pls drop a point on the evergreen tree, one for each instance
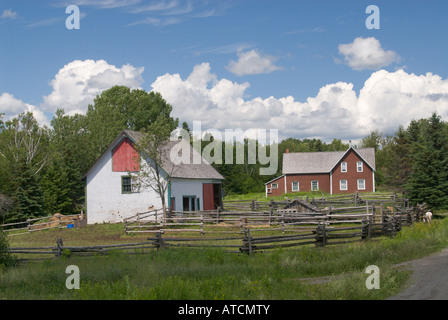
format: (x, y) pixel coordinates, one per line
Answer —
(57, 191)
(428, 181)
(28, 199)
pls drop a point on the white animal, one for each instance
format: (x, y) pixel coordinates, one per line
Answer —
(427, 217)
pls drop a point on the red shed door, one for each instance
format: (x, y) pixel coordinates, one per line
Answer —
(211, 193)
(207, 194)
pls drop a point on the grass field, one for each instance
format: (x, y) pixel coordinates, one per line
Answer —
(211, 274)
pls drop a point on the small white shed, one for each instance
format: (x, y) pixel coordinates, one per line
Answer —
(111, 196)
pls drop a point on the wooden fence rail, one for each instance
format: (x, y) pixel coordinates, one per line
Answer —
(44, 223)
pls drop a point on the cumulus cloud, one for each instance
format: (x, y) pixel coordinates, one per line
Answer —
(252, 62)
(79, 82)
(387, 100)
(367, 53)
(12, 107)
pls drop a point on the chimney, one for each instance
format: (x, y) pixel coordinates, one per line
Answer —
(287, 150)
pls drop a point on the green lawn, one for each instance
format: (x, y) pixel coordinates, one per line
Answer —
(208, 274)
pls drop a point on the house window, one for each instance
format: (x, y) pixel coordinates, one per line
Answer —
(343, 185)
(269, 190)
(343, 166)
(295, 186)
(274, 186)
(359, 166)
(361, 184)
(314, 185)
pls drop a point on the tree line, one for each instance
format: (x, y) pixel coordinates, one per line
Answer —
(41, 168)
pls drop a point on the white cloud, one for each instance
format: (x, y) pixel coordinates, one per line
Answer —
(391, 98)
(8, 14)
(252, 62)
(387, 100)
(79, 82)
(12, 107)
(367, 53)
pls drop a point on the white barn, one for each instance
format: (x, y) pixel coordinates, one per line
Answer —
(111, 196)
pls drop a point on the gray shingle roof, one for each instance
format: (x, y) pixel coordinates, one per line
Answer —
(190, 170)
(321, 162)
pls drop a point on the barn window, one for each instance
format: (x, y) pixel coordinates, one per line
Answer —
(359, 166)
(343, 185)
(314, 185)
(295, 186)
(128, 185)
(343, 166)
(361, 184)
(274, 186)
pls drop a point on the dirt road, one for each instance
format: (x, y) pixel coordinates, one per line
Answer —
(429, 280)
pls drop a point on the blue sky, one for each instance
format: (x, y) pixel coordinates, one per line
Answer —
(306, 68)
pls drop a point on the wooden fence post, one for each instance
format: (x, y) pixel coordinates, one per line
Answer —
(321, 237)
(247, 241)
(159, 241)
(59, 246)
(202, 225)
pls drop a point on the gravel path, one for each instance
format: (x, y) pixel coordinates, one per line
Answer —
(429, 280)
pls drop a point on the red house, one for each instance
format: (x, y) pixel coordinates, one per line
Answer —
(331, 172)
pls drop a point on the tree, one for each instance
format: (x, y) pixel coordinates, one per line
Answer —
(27, 196)
(154, 173)
(5, 206)
(24, 141)
(428, 181)
(24, 151)
(6, 259)
(120, 108)
(56, 189)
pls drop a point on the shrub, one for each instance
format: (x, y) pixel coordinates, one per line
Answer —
(6, 259)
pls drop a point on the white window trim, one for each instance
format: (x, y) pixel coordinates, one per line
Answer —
(292, 186)
(344, 166)
(272, 185)
(340, 185)
(364, 184)
(317, 185)
(360, 166)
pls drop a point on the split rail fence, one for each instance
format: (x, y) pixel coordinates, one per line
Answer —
(56, 221)
(245, 232)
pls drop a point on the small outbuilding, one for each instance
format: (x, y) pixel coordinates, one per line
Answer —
(112, 195)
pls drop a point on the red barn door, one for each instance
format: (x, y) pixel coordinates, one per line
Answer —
(207, 194)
